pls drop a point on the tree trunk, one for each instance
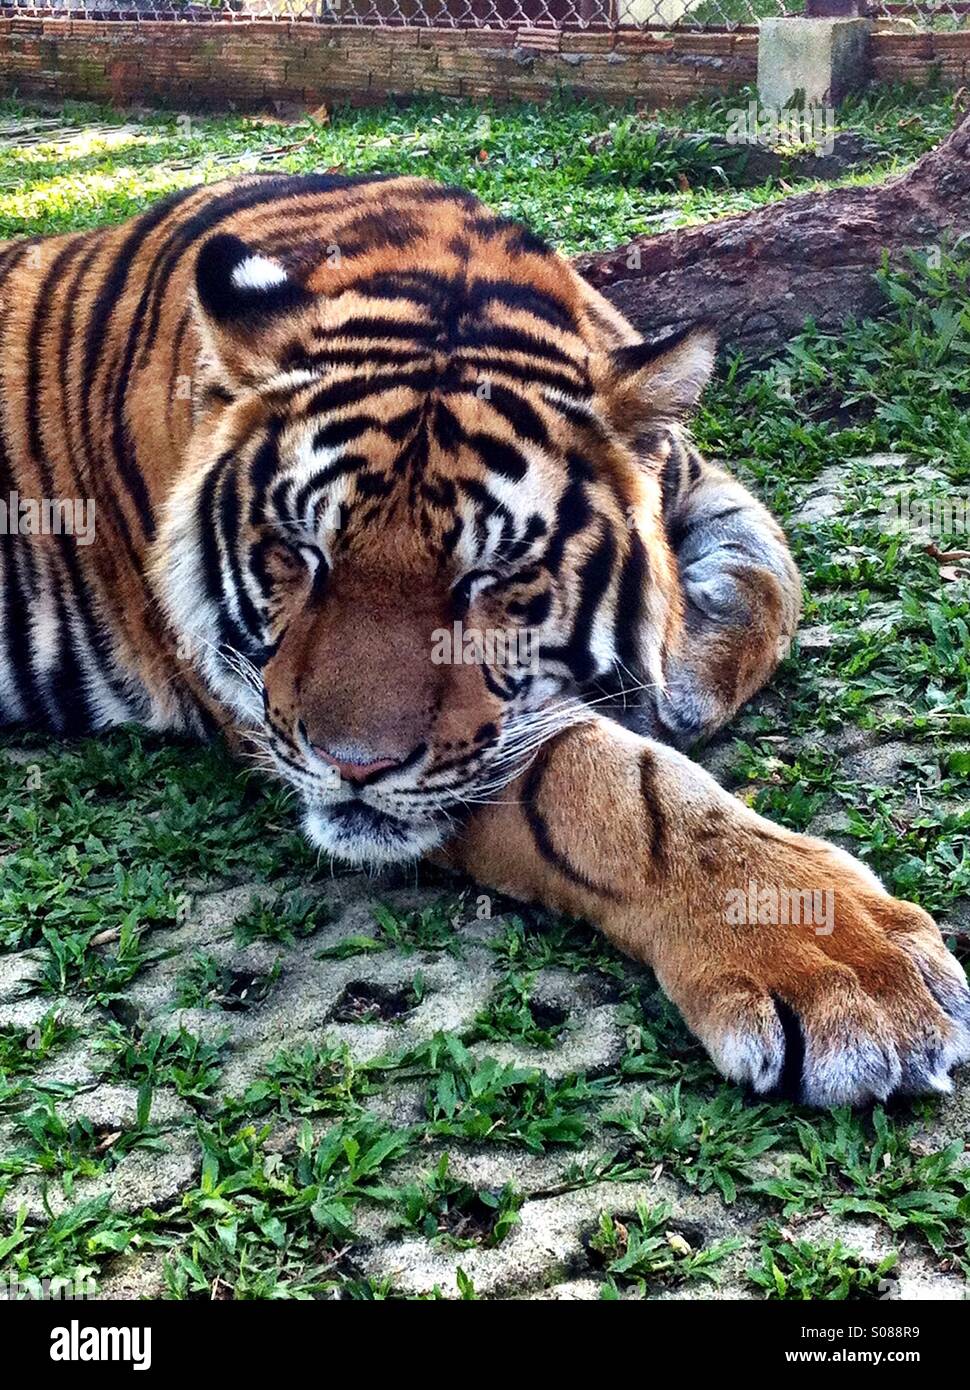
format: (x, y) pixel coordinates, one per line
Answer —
(757, 276)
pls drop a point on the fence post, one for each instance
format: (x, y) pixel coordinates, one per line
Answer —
(818, 58)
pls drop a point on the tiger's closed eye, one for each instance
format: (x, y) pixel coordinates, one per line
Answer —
(467, 589)
(287, 565)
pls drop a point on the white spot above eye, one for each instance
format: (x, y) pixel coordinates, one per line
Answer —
(257, 273)
(311, 558)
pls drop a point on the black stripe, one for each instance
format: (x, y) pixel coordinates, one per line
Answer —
(504, 338)
(262, 471)
(499, 457)
(65, 343)
(487, 504)
(230, 633)
(353, 389)
(631, 595)
(593, 580)
(356, 357)
(790, 1082)
(97, 638)
(528, 372)
(670, 477)
(512, 294)
(12, 255)
(448, 429)
(379, 327)
(539, 829)
(502, 692)
(535, 527)
(348, 463)
(211, 392)
(573, 514)
(514, 408)
(337, 432)
(113, 283)
(426, 288)
(374, 231)
(16, 630)
(657, 822)
(37, 354)
(229, 512)
(534, 611)
(66, 687)
(374, 485)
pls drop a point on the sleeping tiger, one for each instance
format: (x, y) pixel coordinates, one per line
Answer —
(316, 423)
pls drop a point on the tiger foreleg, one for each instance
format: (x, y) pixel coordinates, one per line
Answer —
(787, 958)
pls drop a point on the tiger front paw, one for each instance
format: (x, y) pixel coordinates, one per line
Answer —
(858, 1002)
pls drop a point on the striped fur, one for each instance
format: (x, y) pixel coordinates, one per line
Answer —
(321, 419)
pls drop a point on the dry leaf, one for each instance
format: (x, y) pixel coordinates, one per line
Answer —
(678, 1244)
(947, 556)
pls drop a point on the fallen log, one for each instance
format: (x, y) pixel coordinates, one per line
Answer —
(757, 276)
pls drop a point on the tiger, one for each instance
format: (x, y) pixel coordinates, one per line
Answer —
(321, 425)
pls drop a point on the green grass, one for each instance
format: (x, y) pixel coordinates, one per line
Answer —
(454, 1213)
(647, 1251)
(483, 1100)
(179, 1059)
(584, 175)
(104, 841)
(427, 929)
(797, 1270)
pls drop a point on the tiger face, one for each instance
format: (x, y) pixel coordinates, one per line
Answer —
(419, 516)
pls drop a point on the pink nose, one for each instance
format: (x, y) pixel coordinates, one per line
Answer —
(352, 770)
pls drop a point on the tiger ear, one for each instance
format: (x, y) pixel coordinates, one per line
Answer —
(656, 381)
(241, 296)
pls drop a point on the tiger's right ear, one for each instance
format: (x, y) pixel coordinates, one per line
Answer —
(242, 299)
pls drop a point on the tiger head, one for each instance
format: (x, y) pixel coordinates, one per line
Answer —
(418, 519)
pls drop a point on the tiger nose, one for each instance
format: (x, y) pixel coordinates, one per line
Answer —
(357, 768)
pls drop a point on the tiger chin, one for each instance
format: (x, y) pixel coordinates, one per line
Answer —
(388, 495)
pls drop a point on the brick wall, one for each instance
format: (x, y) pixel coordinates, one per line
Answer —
(251, 65)
(921, 58)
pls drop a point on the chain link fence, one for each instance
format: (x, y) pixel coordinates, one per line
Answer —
(594, 16)
(552, 15)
